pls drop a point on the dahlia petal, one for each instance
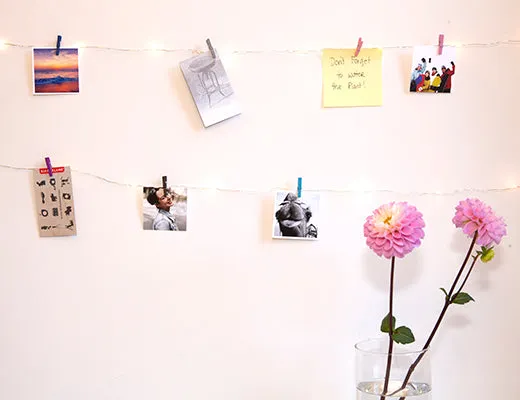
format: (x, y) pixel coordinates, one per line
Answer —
(394, 229)
(472, 215)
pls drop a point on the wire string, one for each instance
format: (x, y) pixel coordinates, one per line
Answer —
(508, 42)
(307, 189)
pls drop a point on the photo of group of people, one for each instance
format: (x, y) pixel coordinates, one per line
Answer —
(432, 73)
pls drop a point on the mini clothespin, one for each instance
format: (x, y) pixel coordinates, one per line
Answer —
(358, 48)
(299, 189)
(441, 43)
(164, 184)
(58, 44)
(210, 47)
(49, 166)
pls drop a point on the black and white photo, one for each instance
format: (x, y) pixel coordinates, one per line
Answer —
(296, 217)
(210, 88)
(165, 210)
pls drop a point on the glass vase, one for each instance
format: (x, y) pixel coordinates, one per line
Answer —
(371, 365)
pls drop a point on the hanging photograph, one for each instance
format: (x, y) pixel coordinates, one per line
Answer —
(54, 202)
(210, 88)
(164, 210)
(431, 72)
(296, 218)
(55, 74)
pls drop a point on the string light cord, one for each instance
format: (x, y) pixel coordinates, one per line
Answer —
(274, 189)
(508, 42)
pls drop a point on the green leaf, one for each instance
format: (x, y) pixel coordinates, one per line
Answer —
(385, 324)
(461, 298)
(403, 335)
(445, 292)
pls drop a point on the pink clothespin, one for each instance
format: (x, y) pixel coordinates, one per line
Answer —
(49, 166)
(441, 43)
(358, 48)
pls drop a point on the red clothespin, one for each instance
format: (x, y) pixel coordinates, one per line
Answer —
(441, 43)
(358, 48)
(49, 166)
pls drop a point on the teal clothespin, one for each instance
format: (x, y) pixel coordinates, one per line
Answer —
(299, 187)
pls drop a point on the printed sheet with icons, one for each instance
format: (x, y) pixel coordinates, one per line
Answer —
(54, 202)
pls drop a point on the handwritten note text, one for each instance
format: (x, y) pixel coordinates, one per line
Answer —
(350, 81)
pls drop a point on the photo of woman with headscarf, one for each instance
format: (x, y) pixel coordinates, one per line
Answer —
(294, 217)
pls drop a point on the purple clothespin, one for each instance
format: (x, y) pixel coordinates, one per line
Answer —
(49, 166)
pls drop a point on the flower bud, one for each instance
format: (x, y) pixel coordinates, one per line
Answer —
(487, 254)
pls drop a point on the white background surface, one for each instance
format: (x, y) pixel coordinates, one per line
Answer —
(223, 311)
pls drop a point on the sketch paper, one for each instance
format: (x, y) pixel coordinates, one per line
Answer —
(210, 88)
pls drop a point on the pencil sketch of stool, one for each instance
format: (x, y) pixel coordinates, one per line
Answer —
(203, 67)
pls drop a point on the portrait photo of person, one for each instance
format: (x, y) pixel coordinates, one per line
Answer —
(296, 217)
(164, 209)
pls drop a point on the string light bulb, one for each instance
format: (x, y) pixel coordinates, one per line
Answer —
(156, 47)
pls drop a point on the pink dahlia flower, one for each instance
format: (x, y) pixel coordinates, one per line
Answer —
(394, 229)
(472, 215)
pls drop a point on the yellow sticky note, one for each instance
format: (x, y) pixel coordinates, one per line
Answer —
(350, 81)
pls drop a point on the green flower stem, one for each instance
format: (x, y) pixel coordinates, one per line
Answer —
(475, 258)
(447, 303)
(390, 331)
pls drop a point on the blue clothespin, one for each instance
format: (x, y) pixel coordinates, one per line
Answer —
(49, 166)
(164, 184)
(58, 44)
(299, 187)
(211, 49)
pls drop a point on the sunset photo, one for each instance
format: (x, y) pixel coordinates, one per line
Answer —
(55, 74)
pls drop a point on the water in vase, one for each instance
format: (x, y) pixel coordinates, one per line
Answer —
(413, 391)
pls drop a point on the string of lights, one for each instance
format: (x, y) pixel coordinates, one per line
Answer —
(159, 48)
(274, 189)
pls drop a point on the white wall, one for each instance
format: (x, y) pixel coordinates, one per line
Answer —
(223, 311)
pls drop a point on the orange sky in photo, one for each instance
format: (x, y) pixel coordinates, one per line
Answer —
(47, 60)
